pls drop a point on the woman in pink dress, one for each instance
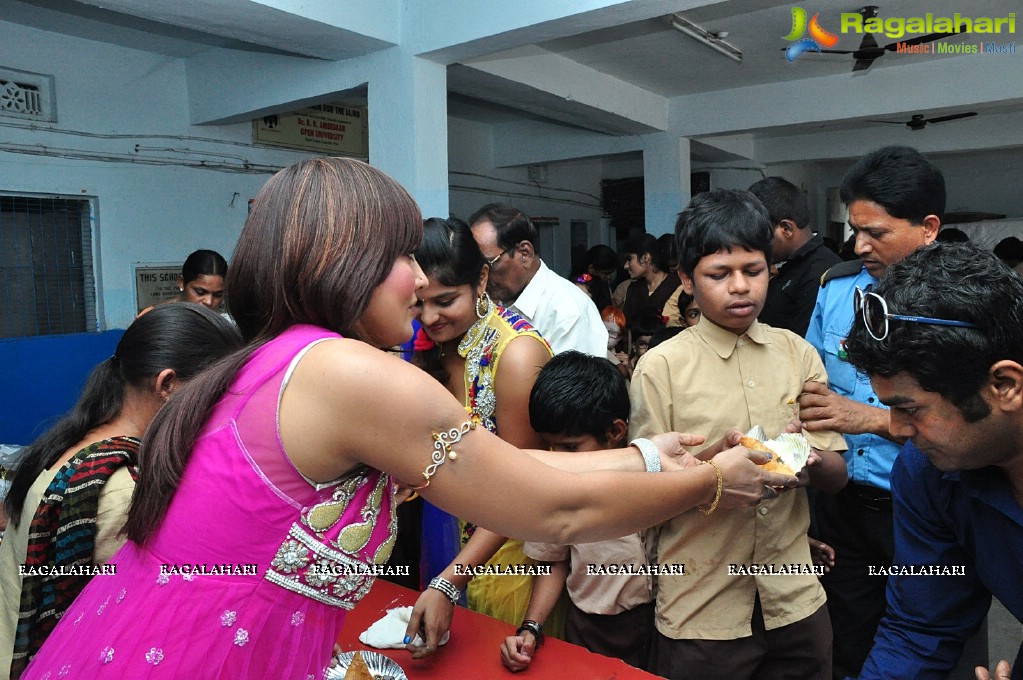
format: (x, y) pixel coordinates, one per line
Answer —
(266, 489)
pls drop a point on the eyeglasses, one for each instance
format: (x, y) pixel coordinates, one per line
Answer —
(492, 261)
(875, 315)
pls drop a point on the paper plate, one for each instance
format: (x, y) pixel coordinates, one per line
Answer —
(379, 665)
(792, 448)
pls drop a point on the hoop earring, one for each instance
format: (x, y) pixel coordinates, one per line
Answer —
(488, 305)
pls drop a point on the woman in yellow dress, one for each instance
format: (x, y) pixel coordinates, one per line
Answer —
(488, 357)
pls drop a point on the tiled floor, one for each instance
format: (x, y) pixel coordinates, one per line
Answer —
(1004, 634)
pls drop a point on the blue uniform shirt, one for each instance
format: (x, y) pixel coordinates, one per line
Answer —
(869, 457)
(968, 520)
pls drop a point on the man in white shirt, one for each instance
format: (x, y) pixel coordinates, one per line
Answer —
(519, 279)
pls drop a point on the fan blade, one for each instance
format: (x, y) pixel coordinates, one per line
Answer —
(887, 122)
(868, 42)
(954, 116)
(863, 64)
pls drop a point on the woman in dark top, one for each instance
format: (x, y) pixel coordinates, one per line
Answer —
(647, 264)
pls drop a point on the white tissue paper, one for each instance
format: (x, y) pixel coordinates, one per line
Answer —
(792, 448)
(389, 631)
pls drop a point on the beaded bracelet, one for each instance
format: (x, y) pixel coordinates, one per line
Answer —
(651, 456)
(717, 493)
(534, 627)
(447, 587)
(442, 451)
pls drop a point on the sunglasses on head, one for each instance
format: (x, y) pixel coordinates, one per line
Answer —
(875, 314)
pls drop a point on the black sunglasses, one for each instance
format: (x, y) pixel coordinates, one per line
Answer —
(875, 315)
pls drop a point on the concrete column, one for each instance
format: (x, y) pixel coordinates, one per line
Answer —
(666, 168)
(408, 128)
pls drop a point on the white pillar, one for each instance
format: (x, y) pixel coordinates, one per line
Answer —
(408, 129)
(666, 169)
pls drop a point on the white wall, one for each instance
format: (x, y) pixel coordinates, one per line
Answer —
(146, 213)
(571, 192)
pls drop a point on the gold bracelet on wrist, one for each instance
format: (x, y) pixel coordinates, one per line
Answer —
(717, 493)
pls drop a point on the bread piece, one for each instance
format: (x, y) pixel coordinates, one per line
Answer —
(775, 464)
(357, 669)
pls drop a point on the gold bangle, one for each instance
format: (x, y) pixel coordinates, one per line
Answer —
(717, 493)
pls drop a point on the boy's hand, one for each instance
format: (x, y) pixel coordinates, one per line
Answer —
(517, 651)
(812, 461)
(821, 553)
(431, 618)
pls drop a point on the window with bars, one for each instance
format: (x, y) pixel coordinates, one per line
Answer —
(46, 270)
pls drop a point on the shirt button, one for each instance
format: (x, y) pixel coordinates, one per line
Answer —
(870, 399)
(763, 509)
(750, 383)
(740, 343)
(859, 452)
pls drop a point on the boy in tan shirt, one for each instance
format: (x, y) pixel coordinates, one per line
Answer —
(749, 604)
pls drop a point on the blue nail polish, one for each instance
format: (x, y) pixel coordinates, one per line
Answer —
(407, 640)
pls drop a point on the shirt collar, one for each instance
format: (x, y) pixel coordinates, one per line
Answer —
(815, 242)
(989, 485)
(529, 299)
(723, 341)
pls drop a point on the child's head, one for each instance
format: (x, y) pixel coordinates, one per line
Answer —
(689, 311)
(724, 244)
(614, 322)
(644, 325)
(579, 403)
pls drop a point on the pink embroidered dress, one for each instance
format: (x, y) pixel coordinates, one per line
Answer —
(288, 557)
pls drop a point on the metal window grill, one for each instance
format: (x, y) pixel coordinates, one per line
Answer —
(46, 269)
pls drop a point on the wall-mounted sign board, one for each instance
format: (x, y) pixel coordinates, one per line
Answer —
(155, 283)
(330, 129)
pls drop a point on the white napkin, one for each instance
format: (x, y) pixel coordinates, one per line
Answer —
(389, 631)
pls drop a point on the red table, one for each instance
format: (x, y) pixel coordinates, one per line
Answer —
(474, 649)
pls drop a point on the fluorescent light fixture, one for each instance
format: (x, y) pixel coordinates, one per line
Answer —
(700, 34)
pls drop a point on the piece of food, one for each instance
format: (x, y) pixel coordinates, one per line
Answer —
(773, 465)
(790, 451)
(357, 669)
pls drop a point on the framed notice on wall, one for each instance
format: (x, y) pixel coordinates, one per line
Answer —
(154, 284)
(330, 129)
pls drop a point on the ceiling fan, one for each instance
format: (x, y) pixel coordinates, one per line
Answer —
(869, 51)
(918, 122)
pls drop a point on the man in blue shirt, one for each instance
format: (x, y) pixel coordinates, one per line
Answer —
(896, 200)
(942, 340)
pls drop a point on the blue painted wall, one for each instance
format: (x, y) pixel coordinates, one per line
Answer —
(41, 378)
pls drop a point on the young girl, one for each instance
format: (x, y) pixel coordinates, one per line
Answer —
(488, 357)
(70, 492)
(273, 473)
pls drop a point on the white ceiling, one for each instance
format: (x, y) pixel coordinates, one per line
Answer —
(644, 54)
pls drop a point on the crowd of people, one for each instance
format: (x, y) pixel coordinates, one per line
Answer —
(289, 443)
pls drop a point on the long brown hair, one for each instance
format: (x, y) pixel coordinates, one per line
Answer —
(185, 337)
(321, 236)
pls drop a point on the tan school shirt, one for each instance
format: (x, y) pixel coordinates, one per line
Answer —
(704, 381)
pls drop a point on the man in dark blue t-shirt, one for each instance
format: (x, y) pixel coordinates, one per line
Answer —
(941, 338)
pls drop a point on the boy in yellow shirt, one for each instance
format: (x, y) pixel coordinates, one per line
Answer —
(749, 604)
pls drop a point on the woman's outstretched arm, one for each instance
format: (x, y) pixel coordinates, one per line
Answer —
(349, 404)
